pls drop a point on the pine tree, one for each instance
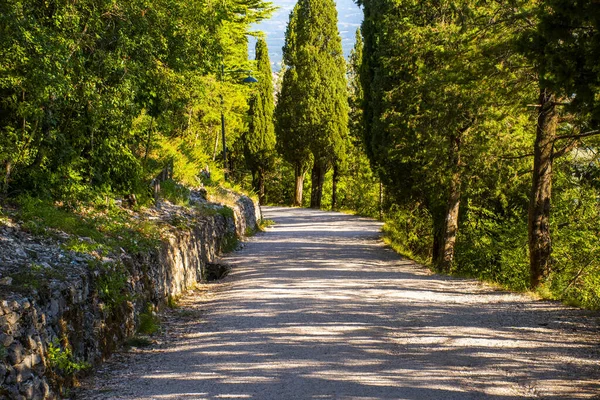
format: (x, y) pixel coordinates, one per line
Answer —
(259, 142)
(314, 93)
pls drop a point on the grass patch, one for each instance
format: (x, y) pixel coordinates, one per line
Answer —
(265, 223)
(230, 243)
(36, 277)
(105, 228)
(175, 193)
(111, 287)
(401, 249)
(149, 322)
(172, 302)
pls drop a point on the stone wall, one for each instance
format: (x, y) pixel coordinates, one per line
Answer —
(89, 315)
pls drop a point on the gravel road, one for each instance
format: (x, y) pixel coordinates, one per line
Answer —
(318, 308)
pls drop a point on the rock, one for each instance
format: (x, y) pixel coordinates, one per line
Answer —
(6, 281)
(6, 340)
(25, 304)
(13, 393)
(11, 376)
(32, 343)
(32, 253)
(71, 302)
(23, 372)
(2, 372)
(9, 319)
(35, 359)
(37, 392)
(16, 353)
(44, 389)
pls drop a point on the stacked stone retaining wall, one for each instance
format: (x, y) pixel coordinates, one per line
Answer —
(86, 317)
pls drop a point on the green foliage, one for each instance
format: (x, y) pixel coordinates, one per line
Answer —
(89, 91)
(576, 222)
(62, 362)
(149, 323)
(259, 141)
(312, 108)
(172, 302)
(265, 223)
(112, 285)
(408, 231)
(39, 215)
(230, 243)
(175, 192)
(3, 352)
(564, 49)
(292, 143)
(105, 228)
(447, 115)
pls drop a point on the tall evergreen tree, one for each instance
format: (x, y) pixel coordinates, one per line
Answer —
(259, 141)
(564, 49)
(316, 87)
(291, 142)
(436, 101)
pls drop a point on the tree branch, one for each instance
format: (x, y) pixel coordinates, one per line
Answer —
(578, 135)
(566, 149)
(518, 157)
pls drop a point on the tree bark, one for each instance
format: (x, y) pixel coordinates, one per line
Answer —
(336, 179)
(8, 170)
(380, 200)
(450, 227)
(261, 186)
(540, 244)
(438, 239)
(299, 186)
(317, 179)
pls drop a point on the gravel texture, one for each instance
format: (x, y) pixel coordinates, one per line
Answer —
(318, 308)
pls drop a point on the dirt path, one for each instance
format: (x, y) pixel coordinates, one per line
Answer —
(317, 308)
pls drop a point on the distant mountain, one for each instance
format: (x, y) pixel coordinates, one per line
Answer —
(350, 17)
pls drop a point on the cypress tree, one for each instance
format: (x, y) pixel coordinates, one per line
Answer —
(291, 143)
(259, 143)
(314, 91)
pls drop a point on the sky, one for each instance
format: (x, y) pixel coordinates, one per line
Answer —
(349, 18)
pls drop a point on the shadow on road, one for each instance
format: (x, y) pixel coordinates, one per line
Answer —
(316, 308)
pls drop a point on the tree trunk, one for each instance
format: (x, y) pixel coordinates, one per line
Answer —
(336, 179)
(8, 167)
(450, 227)
(540, 244)
(299, 186)
(149, 140)
(261, 186)
(317, 179)
(216, 146)
(380, 200)
(438, 239)
(255, 184)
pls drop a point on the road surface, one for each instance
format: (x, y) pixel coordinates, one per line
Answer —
(318, 308)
